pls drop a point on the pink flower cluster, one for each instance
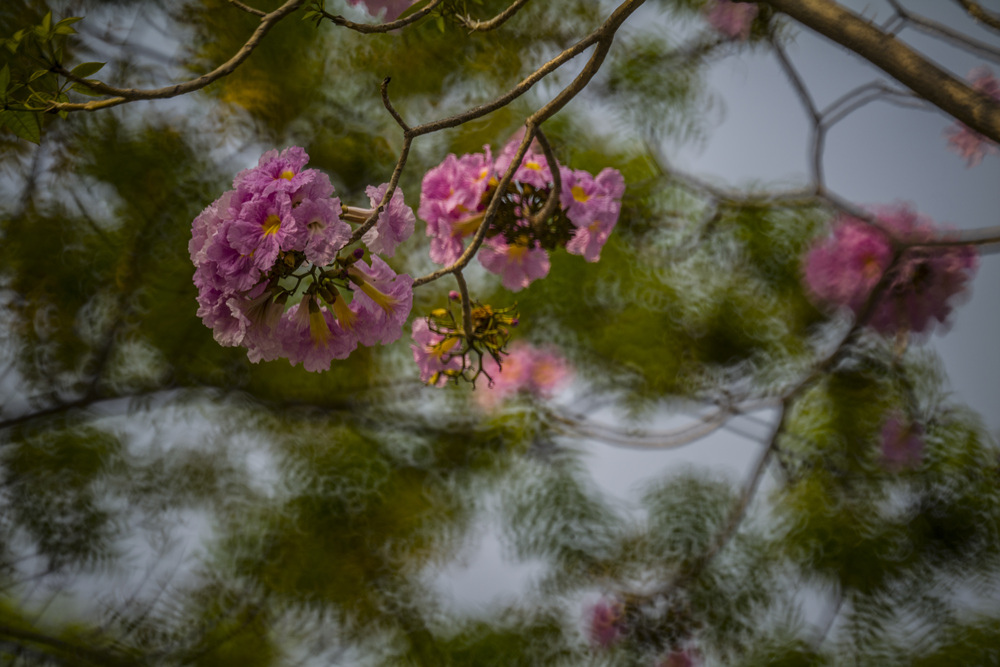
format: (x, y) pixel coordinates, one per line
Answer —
(732, 19)
(844, 269)
(962, 139)
(273, 241)
(454, 196)
(537, 371)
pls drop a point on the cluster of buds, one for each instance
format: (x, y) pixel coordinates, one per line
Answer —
(445, 351)
(455, 194)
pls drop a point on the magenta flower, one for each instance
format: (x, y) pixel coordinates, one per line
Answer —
(313, 337)
(451, 201)
(533, 170)
(515, 263)
(434, 353)
(902, 444)
(732, 19)
(606, 623)
(540, 372)
(320, 232)
(394, 225)
(843, 270)
(382, 301)
(264, 227)
(276, 173)
(593, 206)
(969, 144)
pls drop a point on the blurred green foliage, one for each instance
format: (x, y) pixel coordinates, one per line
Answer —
(164, 501)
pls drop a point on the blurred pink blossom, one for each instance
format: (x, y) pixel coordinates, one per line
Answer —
(962, 139)
(844, 269)
(902, 443)
(537, 371)
(606, 623)
(732, 19)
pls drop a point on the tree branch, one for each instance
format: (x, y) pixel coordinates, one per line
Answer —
(951, 95)
(124, 95)
(496, 21)
(984, 15)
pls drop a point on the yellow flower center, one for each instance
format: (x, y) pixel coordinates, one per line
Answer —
(534, 166)
(287, 174)
(271, 225)
(579, 194)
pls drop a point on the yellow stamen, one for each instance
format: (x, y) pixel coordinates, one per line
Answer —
(319, 330)
(345, 315)
(534, 166)
(444, 347)
(468, 226)
(271, 225)
(384, 301)
(287, 174)
(579, 194)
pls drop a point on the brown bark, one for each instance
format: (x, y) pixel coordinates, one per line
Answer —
(928, 80)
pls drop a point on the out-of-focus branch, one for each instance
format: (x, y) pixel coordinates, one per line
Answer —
(369, 28)
(125, 95)
(945, 33)
(247, 9)
(495, 22)
(977, 12)
(953, 96)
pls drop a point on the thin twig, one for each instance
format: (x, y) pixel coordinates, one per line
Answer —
(369, 28)
(977, 12)
(553, 199)
(125, 95)
(935, 29)
(495, 22)
(819, 131)
(248, 10)
(463, 289)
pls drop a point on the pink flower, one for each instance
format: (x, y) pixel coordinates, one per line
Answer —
(264, 227)
(516, 263)
(451, 201)
(732, 19)
(606, 623)
(844, 269)
(394, 225)
(962, 139)
(593, 206)
(433, 353)
(321, 232)
(382, 301)
(902, 443)
(537, 371)
(311, 335)
(393, 8)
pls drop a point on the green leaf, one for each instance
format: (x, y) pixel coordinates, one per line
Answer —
(46, 25)
(84, 70)
(24, 124)
(36, 74)
(414, 8)
(83, 90)
(4, 81)
(64, 27)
